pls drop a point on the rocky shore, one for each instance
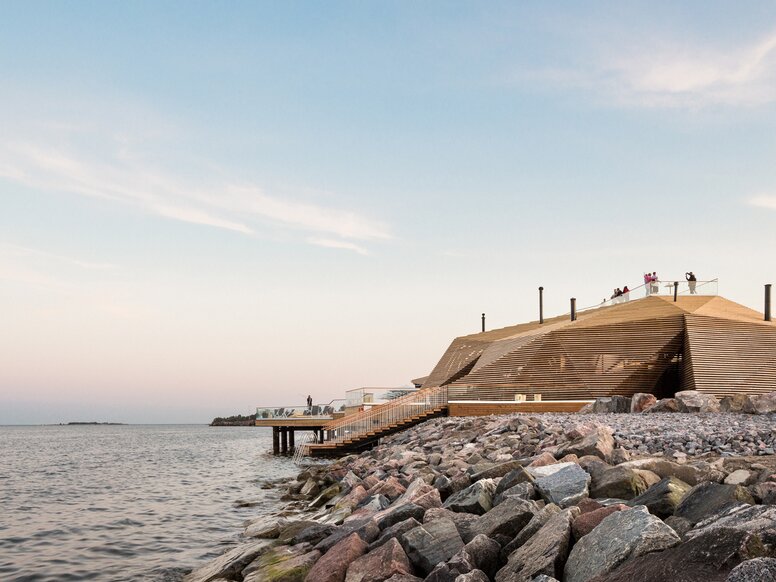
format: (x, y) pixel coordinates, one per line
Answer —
(603, 497)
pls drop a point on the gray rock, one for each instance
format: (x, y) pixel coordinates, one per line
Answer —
(621, 536)
(513, 478)
(641, 401)
(708, 499)
(735, 403)
(692, 474)
(695, 401)
(230, 563)
(755, 570)
(399, 513)
(484, 553)
(394, 532)
(761, 404)
(679, 524)
(756, 519)
(708, 558)
(537, 522)
(599, 443)
(563, 484)
(433, 542)
(508, 519)
(522, 490)
(366, 529)
(496, 471)
(473, 576)
(325, 496)
(613, 404)
(477, 498)
(284, 563)
(663, 498)
(400, 578)
(289, 530)
(464, 522)
(623, 482)
(545, 553)
(664, 405)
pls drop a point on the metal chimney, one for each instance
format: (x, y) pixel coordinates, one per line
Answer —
(768, 302)
(541, 304)
(483, 322)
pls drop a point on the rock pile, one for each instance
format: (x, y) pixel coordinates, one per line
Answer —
(685, 401)
(518, 498)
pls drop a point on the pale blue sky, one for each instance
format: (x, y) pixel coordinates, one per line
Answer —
(209, 206)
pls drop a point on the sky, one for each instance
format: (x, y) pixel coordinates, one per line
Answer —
(207, 207)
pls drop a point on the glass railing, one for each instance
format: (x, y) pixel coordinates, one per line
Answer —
(373, 396)
(325, 411)
(664, 287)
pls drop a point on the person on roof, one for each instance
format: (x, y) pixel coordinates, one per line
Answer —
(691, 282)
(625, 292)
(653, 283)
(647, 282)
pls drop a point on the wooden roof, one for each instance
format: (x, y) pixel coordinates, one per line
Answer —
(625, 348)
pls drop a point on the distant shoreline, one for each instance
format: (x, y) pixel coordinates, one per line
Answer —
(80, 423)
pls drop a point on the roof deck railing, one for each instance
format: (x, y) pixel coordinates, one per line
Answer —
(664, 287)
(322, 411)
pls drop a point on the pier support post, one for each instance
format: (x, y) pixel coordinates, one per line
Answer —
(541, 304)
(320, 435)
(275, 440)
(768, 302)
(283, 440)
(291, 439)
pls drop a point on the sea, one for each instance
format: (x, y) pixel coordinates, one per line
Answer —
(128, 502)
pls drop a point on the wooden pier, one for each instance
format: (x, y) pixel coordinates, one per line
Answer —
(284, 429)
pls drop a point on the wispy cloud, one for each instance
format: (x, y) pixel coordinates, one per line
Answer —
(17, 250)
(677, 74)
(764, 201)
(122, 176)
(337, 244)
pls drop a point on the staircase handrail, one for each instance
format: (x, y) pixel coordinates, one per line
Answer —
(403, 408)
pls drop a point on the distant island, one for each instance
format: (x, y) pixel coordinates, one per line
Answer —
(236, 420)
(98, 423)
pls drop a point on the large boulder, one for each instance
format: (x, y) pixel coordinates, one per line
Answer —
(663, 497)
(291, 529)
(612, 404)
(587, 522)
(708, 558)
(761, 404)
(477, 498)
(641, 401)
(758, 519)
(563, 484)
(621, 536)
(464, 522)
(521, 490)
(537, 522)
(695, 401)
(391, 488)
(473, 576)
(755, 570)
(394, 532)
(498, 470)
(508, 519)
(326, 496)
(545, 553)
(599, 443)
(514, 477)
(230, 563)
(708, 499)
(431, 543)
(691, 473)
(283, 564)
(366, 529)
(333, 566)
(484, 554)
(380, 565)
(399, 513)
(735, 403)
(664, 405)
(623, 482)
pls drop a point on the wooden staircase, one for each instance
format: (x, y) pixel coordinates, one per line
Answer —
(363, 430)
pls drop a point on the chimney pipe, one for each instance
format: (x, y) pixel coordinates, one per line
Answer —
(541, 304)
(483, 322)
(768, 302)
(573, 309)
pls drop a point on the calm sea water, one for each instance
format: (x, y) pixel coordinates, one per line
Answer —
(127, 502)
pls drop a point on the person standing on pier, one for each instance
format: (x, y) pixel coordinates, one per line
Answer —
(310, 403)
(691, 281)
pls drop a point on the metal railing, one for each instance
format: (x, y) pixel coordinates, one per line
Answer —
(372, 396)
(301, 449)
(664, 287)
(365, 423)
